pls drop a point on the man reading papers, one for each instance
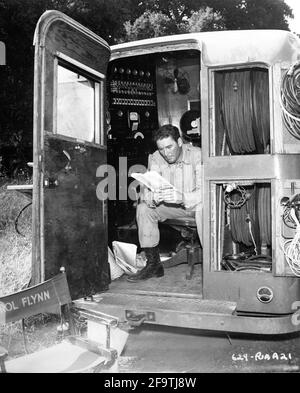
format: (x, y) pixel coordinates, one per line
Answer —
(175, 193)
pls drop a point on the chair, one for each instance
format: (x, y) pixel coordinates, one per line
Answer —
(74, 354)
(188, 250)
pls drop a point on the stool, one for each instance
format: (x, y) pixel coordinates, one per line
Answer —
(188, 250)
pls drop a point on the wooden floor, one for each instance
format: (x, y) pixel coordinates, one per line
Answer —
(173, 282)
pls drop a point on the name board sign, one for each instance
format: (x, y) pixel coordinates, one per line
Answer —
(45, 297)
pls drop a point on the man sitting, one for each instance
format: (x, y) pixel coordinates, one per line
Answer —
(180, 164)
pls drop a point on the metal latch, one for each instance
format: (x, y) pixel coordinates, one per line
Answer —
(50, 182)
(137, 319)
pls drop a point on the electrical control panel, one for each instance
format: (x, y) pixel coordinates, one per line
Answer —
(132, 100)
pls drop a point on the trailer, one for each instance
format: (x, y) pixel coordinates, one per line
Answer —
(233, 93)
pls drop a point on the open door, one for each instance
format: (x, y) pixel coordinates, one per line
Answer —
(69, 221)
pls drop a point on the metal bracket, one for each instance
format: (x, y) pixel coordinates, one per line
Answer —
(137, 319)
(98, 317)
(109, 354)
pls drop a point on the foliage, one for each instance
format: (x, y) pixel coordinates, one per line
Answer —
(115, 21)
(157, 24)
(237, 14)
(18, 19)
(180, 16)
(252, 14)
(204, 20)
(177, 10)
(150, 24)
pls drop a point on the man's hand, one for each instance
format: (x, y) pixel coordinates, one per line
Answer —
(157, 197)
(170, 195)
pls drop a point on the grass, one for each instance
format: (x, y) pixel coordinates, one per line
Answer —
(15, 273)
(15, 248)
(15, 254)
(41, 331)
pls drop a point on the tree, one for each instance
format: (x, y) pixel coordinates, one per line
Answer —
(157, 24)
(162, 17)
(177, 10)
(150, 24)
(204, 20)
(105, 17)
(252, 14)
(18, 19)
(237, 14)
(144, 18)
(17, 23)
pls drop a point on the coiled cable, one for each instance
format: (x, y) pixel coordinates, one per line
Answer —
(250, 214)
(290, 100)
(241, 217)
(239, 200)
(293, 203)
(245, 111)
(291, 247)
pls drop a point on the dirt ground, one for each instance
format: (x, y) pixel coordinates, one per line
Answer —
(157, 349)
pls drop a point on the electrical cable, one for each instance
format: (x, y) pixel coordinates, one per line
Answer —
(241, 215)
(18, 216)
(291, 247)
(264, 213)
(251, 234)
(237, 111)
(245, 111)
(250, 212)
(237, 202)
(260, 106)
(288, 220)
(290, 100)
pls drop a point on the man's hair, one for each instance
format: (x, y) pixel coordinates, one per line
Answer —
(166, 131)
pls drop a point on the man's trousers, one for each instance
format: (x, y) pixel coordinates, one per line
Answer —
(148, 219)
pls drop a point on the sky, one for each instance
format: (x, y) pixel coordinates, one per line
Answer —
(294, 24)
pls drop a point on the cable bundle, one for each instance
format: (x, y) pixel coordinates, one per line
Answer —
(264, 213)
(287, 217)
(235, 202)
(290, 100)
(240, 218)
(254, 215)
(245, 111)
(237, 111)
(291, 248)
(260, 109)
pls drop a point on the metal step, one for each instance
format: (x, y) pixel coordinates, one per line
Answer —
(184, 311)
(175, 310)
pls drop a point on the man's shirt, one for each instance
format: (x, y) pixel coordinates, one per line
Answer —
(185, 174)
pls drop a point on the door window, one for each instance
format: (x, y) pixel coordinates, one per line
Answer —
(77, 109)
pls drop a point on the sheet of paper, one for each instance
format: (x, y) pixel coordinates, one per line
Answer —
(152, 180)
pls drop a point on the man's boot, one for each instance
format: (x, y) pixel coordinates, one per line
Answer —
(153, 268)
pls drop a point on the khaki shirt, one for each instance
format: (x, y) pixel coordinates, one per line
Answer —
(185, 174)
